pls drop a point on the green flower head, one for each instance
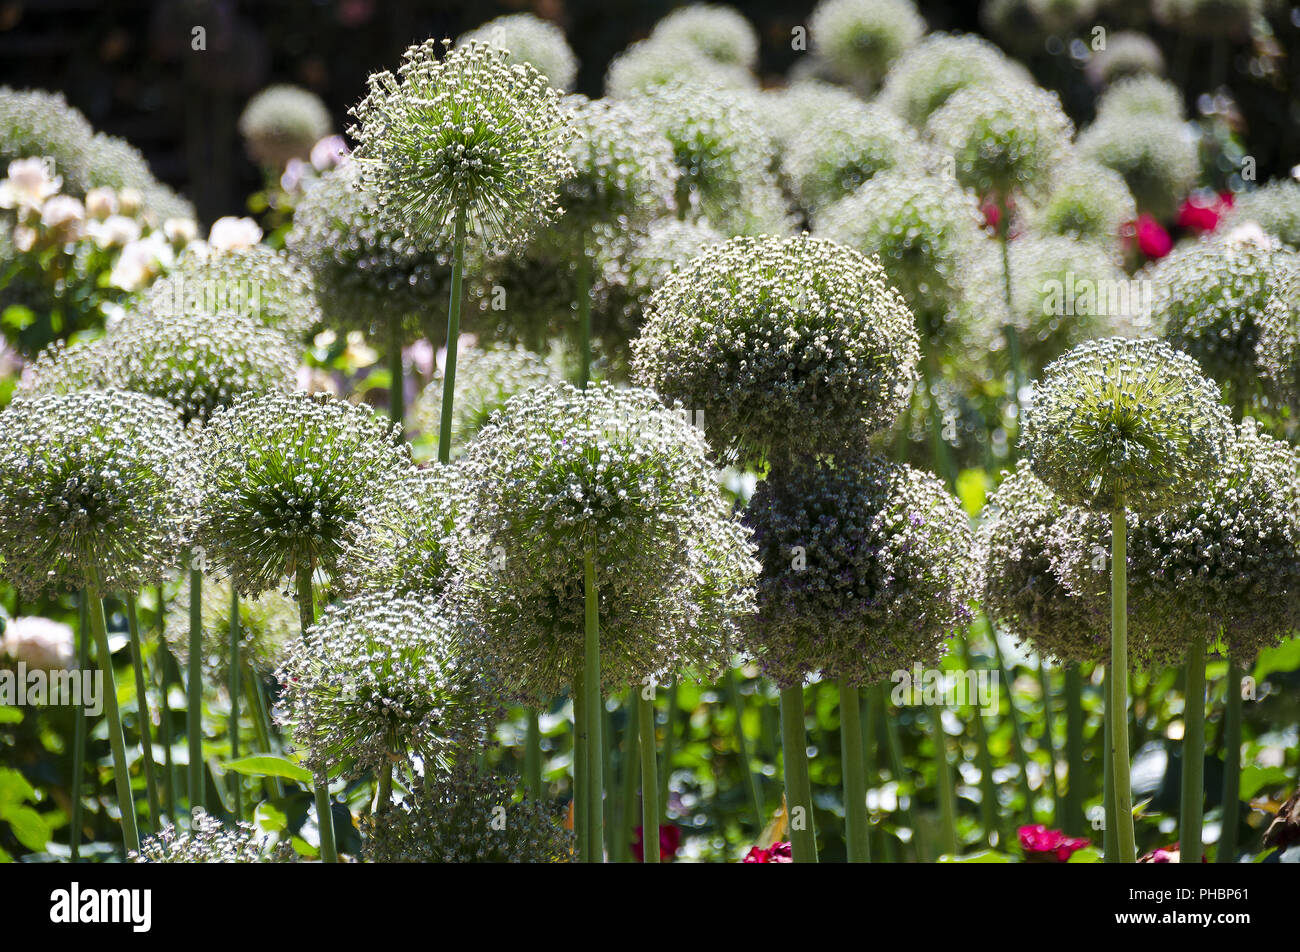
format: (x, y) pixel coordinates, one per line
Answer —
(282, 123)
(859, 40)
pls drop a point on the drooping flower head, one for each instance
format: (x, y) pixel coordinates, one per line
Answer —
(867, 568)
(94, 488)
(267, 625)
(1004, 140)
(1154, 153)
(532, 40)
(283, 477)
(467, 817)
(469, 134)
(859, 40)
(719, 32)
(924, 77)
(1210, 298)
(281, 123)
(786, 346)
(562, 473)
(381, 677)
(1118, 422)
(210, 841)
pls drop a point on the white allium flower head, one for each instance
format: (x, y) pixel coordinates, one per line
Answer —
(860, 39)
(530, 39)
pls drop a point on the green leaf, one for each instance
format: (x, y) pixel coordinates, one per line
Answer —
(1254, 779)
(28, 825)
(1089, 854)
(14, 788)
(269, 765)
(983, 856)
(1284, 657)
(269, 818)
(972, 489)
(10, 715)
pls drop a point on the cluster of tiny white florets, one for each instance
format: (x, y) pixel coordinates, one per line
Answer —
(561, 474)
(925, 76)
(1127, 53)
(283, 476)
(1154, 153)
(1004, 140)
(784, 112)
(1087, 201)
(719, 32)
(927, 232)
(467, 817)
(400, 540)
(724, 157)
(1132, 423)
(666, 245)
(1278, 350)
(1142, 96)
(486, 378)
(94, 488)
(255, 280)
(1226, 566)
(532, 40)
(281, 123)
(1024, 527)
(842, 148)
(867, 568)
(210, 841)
(1275, 207)
(267, 623)
(859, 40)
(786, 345)
(1210, 299)
(380, 678)
(648, 64)
(468, 134)
(364, 270)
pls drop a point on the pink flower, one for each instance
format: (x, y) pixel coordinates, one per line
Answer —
(670, 840)
(1151, 238)
(776, 853)
(1168, 854)
(1042, 845)
(1201, 212)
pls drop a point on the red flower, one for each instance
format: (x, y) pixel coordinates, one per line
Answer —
(670, 840)
(1202, 213)
(992, 214)
(1168, 854)
(777, 853)
(1152, 240)
(1042, 845)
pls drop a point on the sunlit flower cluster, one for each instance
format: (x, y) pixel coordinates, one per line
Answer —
(924, 77)
(532, 40)
(210, 841)
(859, 40)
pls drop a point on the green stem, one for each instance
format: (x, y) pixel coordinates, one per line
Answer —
(165, 666)
(1049, 742)
(584, 319)
(143, 716)
(396, 373)
(453, 337)
(939, 445)
(384, 789)
(1118, 674)
(631, 776)
(609, 812)
(1108, 787)
(233, 687)
(670, 743)
(1017, 728)
(256, 695)
(595, 708)
(581, 746)
(989, 811)
(947, 794)
(798, 788)
(194, 696)
(896, 770)
(856, 822)
(533, 755)
(649, 782)
(324, 816)
(121, 767)
(1075, 791)
(1191, 817)
(742, 747)
(79, 727)
(1231, 764)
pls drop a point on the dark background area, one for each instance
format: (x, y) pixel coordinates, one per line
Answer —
(128, 64)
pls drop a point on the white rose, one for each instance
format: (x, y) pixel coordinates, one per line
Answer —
(63, 211)
(115, 231)
(101, 202)
(140, 262)
(29, 184)
(180, 231)
(230, 233)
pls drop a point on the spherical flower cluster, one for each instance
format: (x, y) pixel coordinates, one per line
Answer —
(1127, 53)
(562, 474)
(867, 568)
(379, 678)
(1129, 423)
(466, 136)
(283, 476)
(1275, 207)
(1226, 566)
(719, 32)
(486, 378)
(1209, 18)
(1154, 153)
(399, 542)
(1024, 527)
(842, 148)
(210, 841)
(532, 40)
(666, 245)
(467, 817)
(1088, 202)
(784, 112)
(928, 235)
(724, 157)
(35, 124)
(254, 279)
(1210, 297)
(649, 64)
(94, 488)
(859, 40)
(282, 123)
(1142, 96)
(1004, 140)
(363, 269)
(925, 76)
(786, 346)
(267, 625)
(1278, 350)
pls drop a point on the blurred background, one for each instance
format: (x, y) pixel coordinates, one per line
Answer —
(130, 67)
